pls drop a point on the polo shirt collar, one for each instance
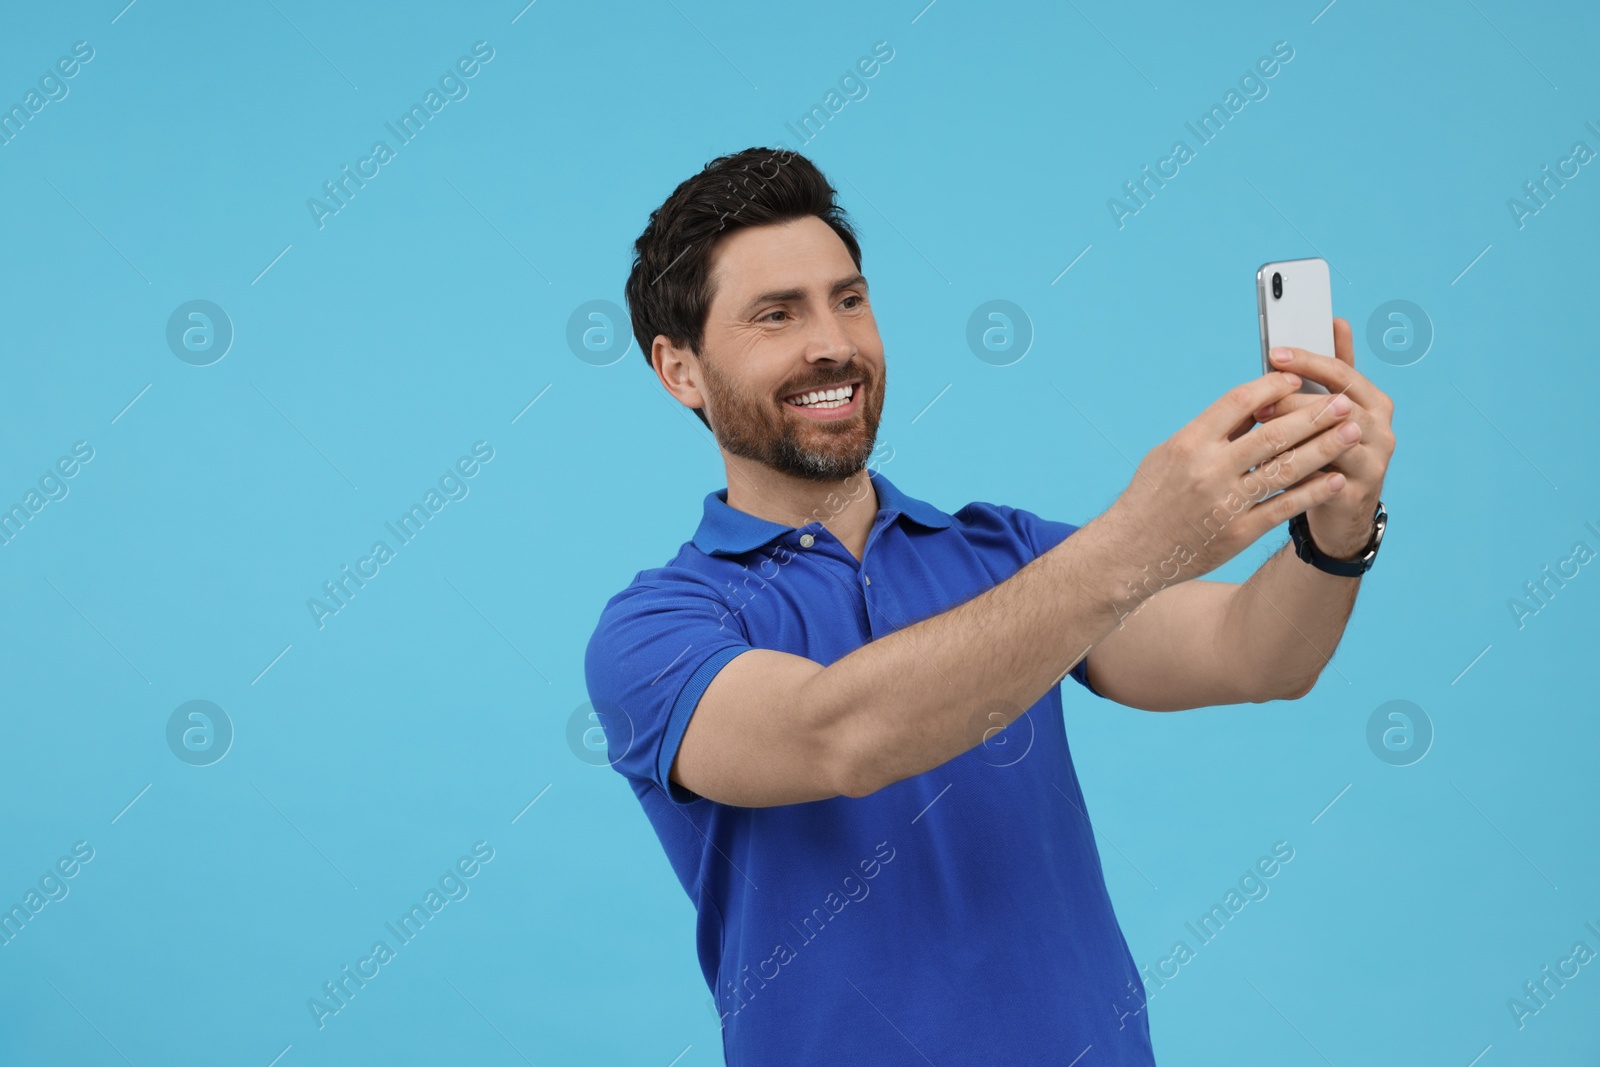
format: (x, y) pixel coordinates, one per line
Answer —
(727, 531)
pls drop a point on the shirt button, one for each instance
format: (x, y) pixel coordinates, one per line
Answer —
(866, 579)
(806, 540)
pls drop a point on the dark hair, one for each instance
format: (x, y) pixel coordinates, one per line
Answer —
(669, 287)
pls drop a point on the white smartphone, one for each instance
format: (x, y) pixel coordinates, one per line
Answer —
(1295, 304)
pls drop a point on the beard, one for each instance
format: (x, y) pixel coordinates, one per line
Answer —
(750, 426)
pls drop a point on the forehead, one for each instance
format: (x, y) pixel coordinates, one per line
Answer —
(802, 253)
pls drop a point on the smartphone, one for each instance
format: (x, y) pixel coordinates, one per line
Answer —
(1295, 304)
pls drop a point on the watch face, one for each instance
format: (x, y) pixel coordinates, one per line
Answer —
(1380, 522)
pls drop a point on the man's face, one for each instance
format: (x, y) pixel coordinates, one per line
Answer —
(789, 317)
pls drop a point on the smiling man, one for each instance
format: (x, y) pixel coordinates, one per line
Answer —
(840, 706)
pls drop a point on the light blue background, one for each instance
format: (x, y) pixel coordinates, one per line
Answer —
(428, 313)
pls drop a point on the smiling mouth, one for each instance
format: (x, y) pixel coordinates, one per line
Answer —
(822, 399)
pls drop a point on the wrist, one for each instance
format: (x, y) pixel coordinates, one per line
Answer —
(1334, 556)
(1342, 537)
(1121, 568)
(1343, 551)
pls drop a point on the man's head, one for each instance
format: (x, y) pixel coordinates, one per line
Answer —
(746, 294)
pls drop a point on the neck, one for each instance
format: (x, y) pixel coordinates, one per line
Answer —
(846, 507)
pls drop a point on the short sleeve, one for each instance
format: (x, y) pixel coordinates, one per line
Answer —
(655, 650)
(1042, 535)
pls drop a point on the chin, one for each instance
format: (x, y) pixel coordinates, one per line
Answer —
(822, 465)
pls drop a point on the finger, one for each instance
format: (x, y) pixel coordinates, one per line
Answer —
(1287, 468)
(1226, 412)
(1344, 349)
(1358, 463)
(1292, 402)
(1318, 402)
(1290, 430)
(1243, 426)
(1365, 461)
(1333, 373)
(1280, 508)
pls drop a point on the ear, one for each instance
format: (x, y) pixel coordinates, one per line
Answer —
(679, 371)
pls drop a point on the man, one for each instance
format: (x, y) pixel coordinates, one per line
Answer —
(839, 706)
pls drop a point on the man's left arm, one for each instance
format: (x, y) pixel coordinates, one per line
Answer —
(1203, 643)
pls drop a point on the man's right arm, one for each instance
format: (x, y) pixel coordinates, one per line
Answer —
(774, 728)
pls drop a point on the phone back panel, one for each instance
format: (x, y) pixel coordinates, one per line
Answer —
(1302, 317)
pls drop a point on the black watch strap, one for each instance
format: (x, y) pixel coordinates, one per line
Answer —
(1306, 549)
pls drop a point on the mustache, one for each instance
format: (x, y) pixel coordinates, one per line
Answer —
(846, 373)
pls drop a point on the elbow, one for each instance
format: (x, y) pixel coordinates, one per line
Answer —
(840, 758)
(1268, 690)
(1294, 690)
(855, 788)
(853, 776)
(854, 756)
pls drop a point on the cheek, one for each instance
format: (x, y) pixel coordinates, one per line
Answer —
(764, 362)
(864, 335)
(869, 323)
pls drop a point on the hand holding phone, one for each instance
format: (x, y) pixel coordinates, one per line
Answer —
(1295, 304)
(1296, 312)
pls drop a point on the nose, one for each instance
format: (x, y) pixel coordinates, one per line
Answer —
(829, 341)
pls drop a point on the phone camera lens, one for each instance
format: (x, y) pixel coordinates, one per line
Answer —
(1277, 286)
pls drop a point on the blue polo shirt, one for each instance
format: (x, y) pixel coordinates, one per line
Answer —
(956, 917)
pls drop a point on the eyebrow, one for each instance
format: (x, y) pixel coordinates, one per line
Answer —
(781, 296)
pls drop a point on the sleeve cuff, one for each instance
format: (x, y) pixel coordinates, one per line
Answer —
(678, 721)
(1081, 674)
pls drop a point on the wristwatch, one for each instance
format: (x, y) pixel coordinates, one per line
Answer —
(1306, 549)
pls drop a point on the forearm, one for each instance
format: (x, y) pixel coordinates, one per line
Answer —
(920, 696)
(1282, 625)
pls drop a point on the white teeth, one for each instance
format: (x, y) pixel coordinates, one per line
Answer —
(824, 398)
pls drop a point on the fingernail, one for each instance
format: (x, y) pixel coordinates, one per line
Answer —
(1339, 405)
(1336, 482)
(1293, 380)
(1264, 413)
(1349, 432)
(1281, 355)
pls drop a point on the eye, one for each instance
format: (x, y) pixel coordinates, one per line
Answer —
(856, 297)
(768, 316)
